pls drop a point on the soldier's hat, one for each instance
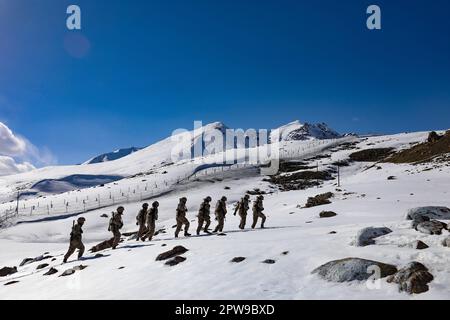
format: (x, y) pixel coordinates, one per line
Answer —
(247, 196)
(155, 204)
(224, 198)
(145, 205)
(183, 199)
(81, 220)
(119, 209)
(208, 199)
(261, 197)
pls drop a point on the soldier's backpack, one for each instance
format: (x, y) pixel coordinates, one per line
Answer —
(111, 222)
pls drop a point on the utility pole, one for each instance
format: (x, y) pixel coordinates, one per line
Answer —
(339, 176)
(17, 207)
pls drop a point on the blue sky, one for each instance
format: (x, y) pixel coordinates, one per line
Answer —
(139, 69)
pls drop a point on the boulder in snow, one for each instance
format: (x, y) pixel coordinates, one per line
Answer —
(269, 261)
(174, 261)
(446, 242)
(319, 200)
(432, 227)
(42, 266)
(102, 246)
(440, 213)
(6, 271)
(366, 236)
(419, 245)
(238, 259)
(176, 251)
(68, 272)
(413, 278)
(327, 214)
(351, 269)
(50, 272)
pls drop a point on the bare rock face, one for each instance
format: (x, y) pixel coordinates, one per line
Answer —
(366, 236)
(351, 269)
(413, 278)
(6, 271)
(174, 261)
(432, 227)
(176, 251)
(433, 137)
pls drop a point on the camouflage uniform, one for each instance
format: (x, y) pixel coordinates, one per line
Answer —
(76, 240)
(181, 218)
(203, 216)
(115, 225)
(221, 211)
(152, 216)
(140, 221)
(242, 207)
(258, 208)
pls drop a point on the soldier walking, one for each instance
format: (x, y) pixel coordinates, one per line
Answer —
(258, 209)
(242, 207)
(76, 240)
(140, 221)
(152, 216)
(203, 215)
(181, 218)
(115, 224)
(221, 211)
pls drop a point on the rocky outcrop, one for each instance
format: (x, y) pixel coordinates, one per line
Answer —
(351, 269)
(32, 260)
(176, 251)
(418, 245)
(413, 278)
(371, 155)
(366, 236)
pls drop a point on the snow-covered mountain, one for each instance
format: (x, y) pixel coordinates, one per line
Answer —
(111, 156)
(295, 131)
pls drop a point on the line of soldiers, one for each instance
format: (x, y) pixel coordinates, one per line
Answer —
(146, 220)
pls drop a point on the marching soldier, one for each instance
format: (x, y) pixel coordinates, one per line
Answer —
(242, 207)
(181, 218)
(140, 221)
(221, 211)
(76, 239)
(258, 209)
(152, 216)
(115, 224)
(203, 215)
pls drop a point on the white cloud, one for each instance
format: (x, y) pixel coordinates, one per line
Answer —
(17, 152)
(9, 166)
(10, 144)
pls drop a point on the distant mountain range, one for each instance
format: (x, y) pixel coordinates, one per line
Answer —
(201, 138)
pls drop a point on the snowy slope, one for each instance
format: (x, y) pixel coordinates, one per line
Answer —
(367, 199)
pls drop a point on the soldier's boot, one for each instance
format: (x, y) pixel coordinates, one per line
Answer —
(263, 221)
(187, 234)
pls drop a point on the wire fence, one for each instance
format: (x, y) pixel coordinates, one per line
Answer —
(80, 201)
(75, 202)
